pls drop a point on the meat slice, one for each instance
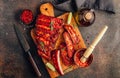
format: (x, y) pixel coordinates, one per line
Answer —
(72, 33)
(47, 31)
(55, 54)
(65, 59)
(69, 44)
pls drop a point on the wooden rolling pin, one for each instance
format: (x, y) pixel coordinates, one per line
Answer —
(92, 46)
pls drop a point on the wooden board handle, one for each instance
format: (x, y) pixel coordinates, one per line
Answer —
(47, 9)
(90, 49)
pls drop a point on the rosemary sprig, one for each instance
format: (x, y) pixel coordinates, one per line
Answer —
(42, 45)
(51, 26)
(63, 49)
(68, 69)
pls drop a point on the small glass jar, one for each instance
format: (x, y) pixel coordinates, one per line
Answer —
(84, 17)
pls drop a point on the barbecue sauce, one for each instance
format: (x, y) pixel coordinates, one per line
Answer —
(85, 17)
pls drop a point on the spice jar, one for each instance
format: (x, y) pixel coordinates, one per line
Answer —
(85, 17)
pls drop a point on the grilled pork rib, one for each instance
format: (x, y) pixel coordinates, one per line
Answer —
(47, 32)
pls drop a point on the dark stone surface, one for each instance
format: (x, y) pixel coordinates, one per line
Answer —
(14, 63)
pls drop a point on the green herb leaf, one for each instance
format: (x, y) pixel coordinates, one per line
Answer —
(63, 49)
(51, 26)
(68, 69)
(42, 45)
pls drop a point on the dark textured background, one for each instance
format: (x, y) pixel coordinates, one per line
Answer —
(14, 63)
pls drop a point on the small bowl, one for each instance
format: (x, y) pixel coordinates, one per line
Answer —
(26, 17)
(78, 54)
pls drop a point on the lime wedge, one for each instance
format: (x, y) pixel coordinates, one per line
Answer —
(50, 66)
(69, 18)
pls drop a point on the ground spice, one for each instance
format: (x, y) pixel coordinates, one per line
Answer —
(26, 16)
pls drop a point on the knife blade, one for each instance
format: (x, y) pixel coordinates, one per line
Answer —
(26, 47)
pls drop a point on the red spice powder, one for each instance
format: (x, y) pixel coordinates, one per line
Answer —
(26, 16)
(77, 57)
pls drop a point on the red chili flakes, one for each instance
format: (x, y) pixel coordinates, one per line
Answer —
(26, 16)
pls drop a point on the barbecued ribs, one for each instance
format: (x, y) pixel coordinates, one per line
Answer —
(47, 32)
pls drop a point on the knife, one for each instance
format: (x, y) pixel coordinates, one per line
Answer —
(26, 48)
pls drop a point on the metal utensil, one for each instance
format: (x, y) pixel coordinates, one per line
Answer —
(26, 48)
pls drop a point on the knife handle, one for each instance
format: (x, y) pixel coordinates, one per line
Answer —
(34, 64)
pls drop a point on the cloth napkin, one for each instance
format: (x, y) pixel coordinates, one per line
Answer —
(74, 5)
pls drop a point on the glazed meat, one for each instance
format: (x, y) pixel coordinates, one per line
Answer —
(69, 44)
(72, 34)
(47, 32)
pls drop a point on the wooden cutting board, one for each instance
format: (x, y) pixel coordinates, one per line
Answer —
(47, 9)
